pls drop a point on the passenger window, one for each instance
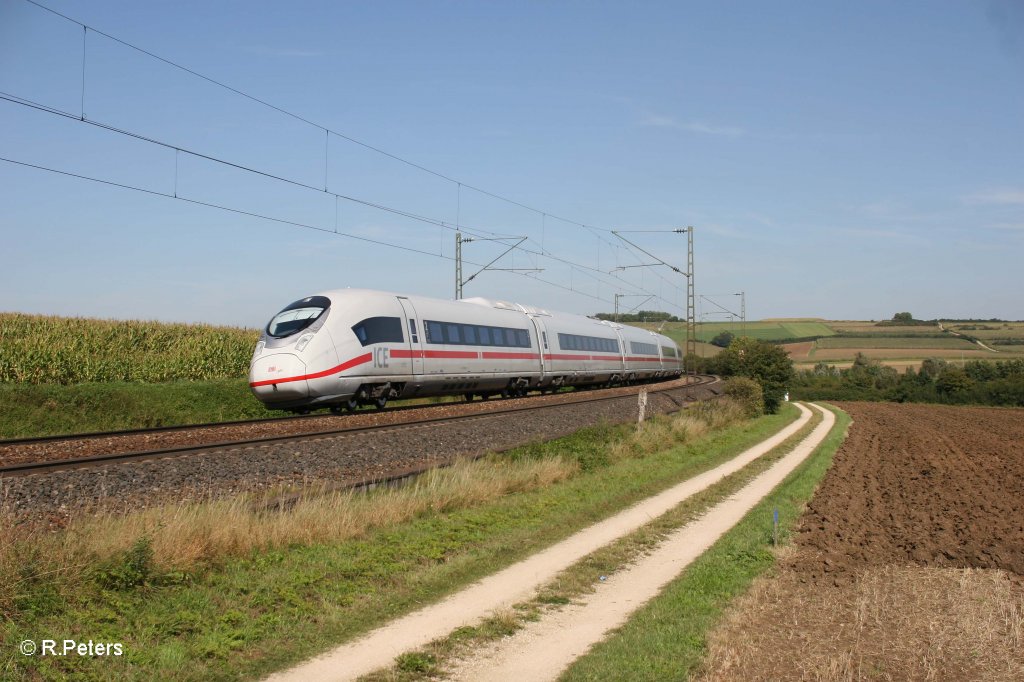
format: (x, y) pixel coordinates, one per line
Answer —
(452, 333)
(499, 336)
(469, 333)
(379, 330)
(434, 332)
(485, 336)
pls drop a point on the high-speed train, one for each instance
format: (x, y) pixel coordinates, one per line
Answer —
(343, 348)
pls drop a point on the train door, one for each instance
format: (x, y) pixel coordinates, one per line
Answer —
(623, 349)
(414, 332)
(542, 344)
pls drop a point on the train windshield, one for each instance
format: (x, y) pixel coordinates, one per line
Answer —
(298, 316)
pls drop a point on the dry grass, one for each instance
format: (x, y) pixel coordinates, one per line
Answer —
(894, 623)
(185, 535)
(654, 435)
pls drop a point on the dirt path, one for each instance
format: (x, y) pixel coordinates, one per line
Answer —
(516, 583)
(544, 648)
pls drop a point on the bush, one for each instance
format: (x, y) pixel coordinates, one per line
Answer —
(747, 393)
(723, 339)
(769, 365)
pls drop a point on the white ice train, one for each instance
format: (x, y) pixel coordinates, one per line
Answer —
(342, 348)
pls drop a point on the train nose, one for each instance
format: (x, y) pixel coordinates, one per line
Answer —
(278, 377)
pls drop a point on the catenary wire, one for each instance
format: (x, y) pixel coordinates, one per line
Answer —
(276, 220)
(594, 230)
(475, 231)
(307, 121)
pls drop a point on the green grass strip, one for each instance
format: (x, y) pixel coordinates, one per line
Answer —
(248, 617)
(666, 639)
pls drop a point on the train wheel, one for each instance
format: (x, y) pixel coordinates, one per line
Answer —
(380, 402)
(468, 397)
(351, 404)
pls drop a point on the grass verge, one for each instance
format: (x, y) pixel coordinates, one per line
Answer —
(239, 611)
(28, 410)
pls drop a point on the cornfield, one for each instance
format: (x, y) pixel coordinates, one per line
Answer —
(38, 349)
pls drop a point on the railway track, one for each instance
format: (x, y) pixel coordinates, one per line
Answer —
(529, 405)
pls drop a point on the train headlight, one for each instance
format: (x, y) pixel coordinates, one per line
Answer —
(259, 349)
(303, 342)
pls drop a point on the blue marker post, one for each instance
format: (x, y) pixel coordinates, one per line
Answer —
(775, 527)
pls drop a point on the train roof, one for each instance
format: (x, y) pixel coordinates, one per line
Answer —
(493, 303)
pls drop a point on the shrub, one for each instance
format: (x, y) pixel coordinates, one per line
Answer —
(747, 393)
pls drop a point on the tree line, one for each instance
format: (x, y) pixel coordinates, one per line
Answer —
(977, 382)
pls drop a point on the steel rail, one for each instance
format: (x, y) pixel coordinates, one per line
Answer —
(30, 468)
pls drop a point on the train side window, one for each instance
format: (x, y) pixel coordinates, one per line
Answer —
(524, 338)
(469, 334)
(451, 334)
(412, 330)
(485, 336)
(544, 336)
(498, 335)
(379, 330)
(435, 332)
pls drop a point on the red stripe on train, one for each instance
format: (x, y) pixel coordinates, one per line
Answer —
(348, 364)
(496, 355)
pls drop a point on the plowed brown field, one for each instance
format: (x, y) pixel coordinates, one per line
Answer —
(908, 563)
(931, 485)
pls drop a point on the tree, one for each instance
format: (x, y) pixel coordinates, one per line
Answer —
(768, 364)
(723, 340)
(953, 380)
(903, 317)
(930, 369)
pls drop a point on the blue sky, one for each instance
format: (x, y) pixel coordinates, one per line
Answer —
(839, 160)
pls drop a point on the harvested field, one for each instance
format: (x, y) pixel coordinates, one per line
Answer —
(853, 327)
(908, 563)
(799, 351)
(826, 354)
(899, 365)
(890, 342)
(988, 330)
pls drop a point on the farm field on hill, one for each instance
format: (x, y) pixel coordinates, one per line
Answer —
(765, 330)
(894, 342)
(885, 354)
(909, 561)
(987, 331)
